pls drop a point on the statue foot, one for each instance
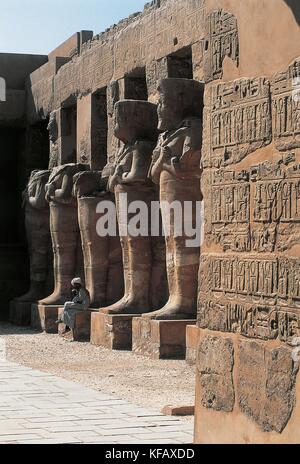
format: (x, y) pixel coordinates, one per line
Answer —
(125, 307)
(172, 312)
(56, 299)
(34, 294)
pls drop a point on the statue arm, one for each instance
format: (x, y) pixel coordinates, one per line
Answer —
(65, 192)
(87, 183)
(38, 200)
(141, 160)
(114, 179)
(50, 192)
(170, 156)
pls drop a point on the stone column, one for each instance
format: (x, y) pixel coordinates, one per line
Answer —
(92, 130)
(62, 133)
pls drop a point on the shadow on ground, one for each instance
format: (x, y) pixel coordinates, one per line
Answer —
(9, 329)
(295, 7)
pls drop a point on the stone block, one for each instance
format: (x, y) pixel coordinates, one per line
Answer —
(178, 411)
(44, 318)
(192, 342)
(112, 332)
(159, 339)
(82, 329)
(20, 313)
(246, 391)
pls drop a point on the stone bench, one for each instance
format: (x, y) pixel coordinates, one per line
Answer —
(82, 329)
(43, 318)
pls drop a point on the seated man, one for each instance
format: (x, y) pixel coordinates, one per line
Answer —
(81, 302)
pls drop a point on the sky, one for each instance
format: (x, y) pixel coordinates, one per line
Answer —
(39, 26)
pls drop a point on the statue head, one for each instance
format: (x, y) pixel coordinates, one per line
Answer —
(135, 120)
(86, 183)
(179, 99)
(36, 177)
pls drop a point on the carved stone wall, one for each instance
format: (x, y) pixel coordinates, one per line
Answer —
(249, 279)
(221, 40)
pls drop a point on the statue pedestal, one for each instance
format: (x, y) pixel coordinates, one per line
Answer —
(44, 318)
(112, 332)
(192, 342)
(82, 329)
(20, 313)
(159, 339)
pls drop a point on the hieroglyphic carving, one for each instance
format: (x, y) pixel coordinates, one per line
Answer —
(248, 286)
(239, 119)
(286, 107)
(277, 197)
(230, 198)
(273, 190)
(221, 40)
(276, 280)
(252, 321)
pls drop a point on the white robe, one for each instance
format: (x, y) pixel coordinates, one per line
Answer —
(81, 302)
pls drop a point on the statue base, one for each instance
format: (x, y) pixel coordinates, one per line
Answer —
(82, 329)
(112, 332)
(20, 313)
(192, 342)
(159, 339)
(43, 318)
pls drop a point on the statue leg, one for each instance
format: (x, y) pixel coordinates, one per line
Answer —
(95, 251)
(137, 263)
(65, 235)
(159, 290)
(182, 260)
(38, 237)
(115, 285)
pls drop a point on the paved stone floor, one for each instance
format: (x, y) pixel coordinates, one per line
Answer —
(40, 408)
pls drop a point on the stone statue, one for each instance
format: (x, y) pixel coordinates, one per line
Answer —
(102, 255)
(64, 231)
(176, 167)
(38, 236)
(135, 124)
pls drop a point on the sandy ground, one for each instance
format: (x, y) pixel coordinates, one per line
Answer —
(141, 381)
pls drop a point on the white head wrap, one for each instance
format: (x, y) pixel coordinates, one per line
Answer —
(77, 280)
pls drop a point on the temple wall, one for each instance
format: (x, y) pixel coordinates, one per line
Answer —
(247, 52)
(137, 42)
(249, 293)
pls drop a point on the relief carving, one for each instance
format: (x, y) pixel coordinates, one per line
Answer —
(221, 41)
(239, 121)
(286, 108)
(250, 320)
(269, 279)
(273, 222)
